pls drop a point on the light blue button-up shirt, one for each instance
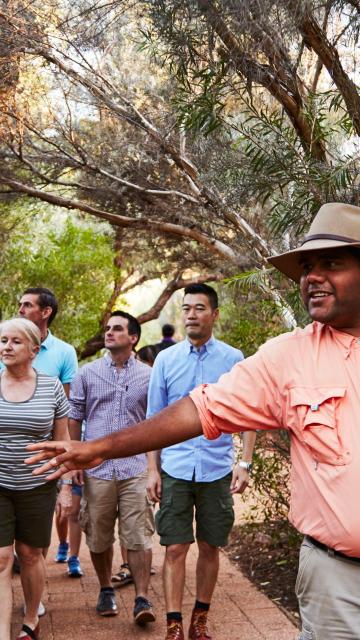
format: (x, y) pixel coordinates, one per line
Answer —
(176, 371)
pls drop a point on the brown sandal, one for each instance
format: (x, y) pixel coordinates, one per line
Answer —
(123, 577)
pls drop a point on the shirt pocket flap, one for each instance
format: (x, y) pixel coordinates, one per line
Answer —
(319, 403)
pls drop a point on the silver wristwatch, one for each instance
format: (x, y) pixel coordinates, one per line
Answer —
(245, 465)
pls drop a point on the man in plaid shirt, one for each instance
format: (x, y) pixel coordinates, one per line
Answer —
(110, 394)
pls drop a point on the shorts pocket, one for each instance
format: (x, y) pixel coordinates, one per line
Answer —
(162, 519)
(317, 410)
(84, 516)
(149, 518)
(306, 550)
(226, 504)
(307, 634)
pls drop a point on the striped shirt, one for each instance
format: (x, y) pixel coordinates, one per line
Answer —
(111, 399)
(28, 422)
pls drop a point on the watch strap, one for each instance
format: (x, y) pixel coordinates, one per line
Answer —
(245, 465)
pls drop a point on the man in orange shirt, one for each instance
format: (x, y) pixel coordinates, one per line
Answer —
(306, 382)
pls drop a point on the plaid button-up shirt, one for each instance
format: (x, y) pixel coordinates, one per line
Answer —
(111, 399)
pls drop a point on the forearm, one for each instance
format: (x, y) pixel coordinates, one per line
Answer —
(249, 438)
(174, 424)
(153, 459)
(61, 429)
(61, 432)
(74, 429)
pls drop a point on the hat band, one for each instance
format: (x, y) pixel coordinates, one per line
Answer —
(329, 236)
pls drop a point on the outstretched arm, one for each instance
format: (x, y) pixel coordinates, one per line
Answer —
(174, 424)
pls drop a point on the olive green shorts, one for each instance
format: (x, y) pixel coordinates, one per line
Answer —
(213, 505)
(27, 515)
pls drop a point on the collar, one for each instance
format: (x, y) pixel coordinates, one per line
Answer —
(208, 346)
(46, 344)
(346, 340)
(111, 363)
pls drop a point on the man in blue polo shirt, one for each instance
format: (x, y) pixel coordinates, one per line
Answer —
(56, 357)
(197, 473)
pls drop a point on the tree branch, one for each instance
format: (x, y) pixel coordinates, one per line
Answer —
(256, 72)
(136, 118)
(215, 246)
(317, 40)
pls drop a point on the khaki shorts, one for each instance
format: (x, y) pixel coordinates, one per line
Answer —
(105, 500)
(328, 590)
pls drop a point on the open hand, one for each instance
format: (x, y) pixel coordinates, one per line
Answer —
(64, 456)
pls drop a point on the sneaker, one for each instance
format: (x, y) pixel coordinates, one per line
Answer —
(198, 629)
(41, 610)
(143, 611)
(106, 604)
(62, 552)
(74, 568)
(174, 630)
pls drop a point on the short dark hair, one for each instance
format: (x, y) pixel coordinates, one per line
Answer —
(147, 354)
(134, 327)
(205, 289)
(46, 298)
(168, 330)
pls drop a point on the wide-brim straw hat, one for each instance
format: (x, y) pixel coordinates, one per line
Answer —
(335, 226)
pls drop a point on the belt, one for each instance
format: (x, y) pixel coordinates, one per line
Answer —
(332, 552)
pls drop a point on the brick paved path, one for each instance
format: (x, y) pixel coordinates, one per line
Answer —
(239, 611)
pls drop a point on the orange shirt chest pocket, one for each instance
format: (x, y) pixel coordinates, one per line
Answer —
(316, 421)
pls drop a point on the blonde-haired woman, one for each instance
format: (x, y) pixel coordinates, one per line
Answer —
(33, 408)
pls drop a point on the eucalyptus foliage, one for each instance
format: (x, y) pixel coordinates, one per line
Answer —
(68, 256)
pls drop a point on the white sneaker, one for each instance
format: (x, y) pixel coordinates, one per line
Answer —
(41, 610)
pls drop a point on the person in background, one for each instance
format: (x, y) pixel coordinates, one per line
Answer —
(33, 408)
(56, 358)
(123, 577)
(147, 354)
(167, 331)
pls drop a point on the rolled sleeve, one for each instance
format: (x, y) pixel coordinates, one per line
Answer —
(77, 398)
(244, 399)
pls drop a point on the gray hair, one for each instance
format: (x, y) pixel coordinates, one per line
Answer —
(26, 327)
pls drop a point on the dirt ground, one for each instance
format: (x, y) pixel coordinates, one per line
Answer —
(267, 554)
